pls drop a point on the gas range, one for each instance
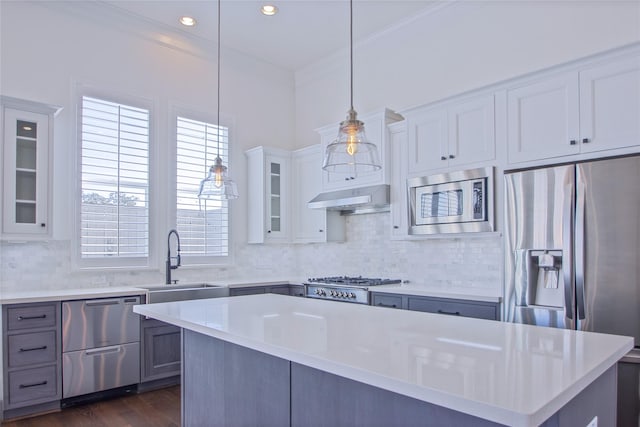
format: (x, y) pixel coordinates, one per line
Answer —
(344, 288)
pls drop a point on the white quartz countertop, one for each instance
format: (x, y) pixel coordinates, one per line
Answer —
(43, 295)
(514, 374)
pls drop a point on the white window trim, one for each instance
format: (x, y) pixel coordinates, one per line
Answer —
(176, 111)
(121, 263)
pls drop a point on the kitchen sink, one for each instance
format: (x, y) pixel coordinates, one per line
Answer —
(182, 292)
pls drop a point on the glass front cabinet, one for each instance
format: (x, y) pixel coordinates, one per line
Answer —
(27, 133)
(268, 192)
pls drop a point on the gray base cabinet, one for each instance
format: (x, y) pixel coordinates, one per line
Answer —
(31, 358)
(161, 354)
(448, 306)
(284, 289)
(225, 384)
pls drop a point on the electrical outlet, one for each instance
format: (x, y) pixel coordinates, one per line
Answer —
(594, 422)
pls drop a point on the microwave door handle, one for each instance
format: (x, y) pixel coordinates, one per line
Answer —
(566, 251)
(579, 248)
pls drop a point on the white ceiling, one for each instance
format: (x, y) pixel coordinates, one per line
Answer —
(302, 32)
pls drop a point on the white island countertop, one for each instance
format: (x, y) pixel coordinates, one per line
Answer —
(514, 374)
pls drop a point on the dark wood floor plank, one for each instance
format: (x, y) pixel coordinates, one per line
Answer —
(158, 408)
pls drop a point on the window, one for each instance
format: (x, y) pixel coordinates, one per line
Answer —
(114, 181)
(203, 225)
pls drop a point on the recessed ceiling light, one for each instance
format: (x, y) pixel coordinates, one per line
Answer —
(269, 10)
(187, 21)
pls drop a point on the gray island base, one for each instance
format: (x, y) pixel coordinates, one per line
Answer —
(274, 360)
(225, 384)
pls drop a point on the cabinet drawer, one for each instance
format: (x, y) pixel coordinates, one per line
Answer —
(29, 349)
(391, 301)
(33, 385)
(31, 316)
(454, 308)
(98, 369)
(246, 291)
(281, 290)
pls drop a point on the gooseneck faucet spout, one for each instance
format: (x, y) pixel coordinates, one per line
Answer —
(169, 265)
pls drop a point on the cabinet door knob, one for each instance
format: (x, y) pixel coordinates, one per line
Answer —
(585, 140)
(395, 227)
(451, 156)
(42, 224)
(573, 142)
(320, 231)
(443, 158)
(268, 231)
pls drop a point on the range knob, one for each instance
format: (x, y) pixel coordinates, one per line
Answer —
(352, 295)
(333, 293)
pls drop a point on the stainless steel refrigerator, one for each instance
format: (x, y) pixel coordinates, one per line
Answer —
(572, 247)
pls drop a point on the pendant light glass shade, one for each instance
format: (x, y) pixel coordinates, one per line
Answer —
(217, 185)
(351, 153)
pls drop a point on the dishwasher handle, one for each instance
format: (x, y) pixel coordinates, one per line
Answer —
(101, 302)
(103, 350)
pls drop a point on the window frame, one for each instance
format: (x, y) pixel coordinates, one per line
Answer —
(122, 262)
(225, 121)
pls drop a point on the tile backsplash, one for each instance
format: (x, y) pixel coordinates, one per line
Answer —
(442, 264)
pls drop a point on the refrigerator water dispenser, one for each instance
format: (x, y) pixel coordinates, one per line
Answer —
(540, 273)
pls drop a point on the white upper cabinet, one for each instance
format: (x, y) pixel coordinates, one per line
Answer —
(375, 125)
(398, 162)
(451, 135)
(610, 106)
(27, 136)
(312, 225)
(268, 193)
(575, 112)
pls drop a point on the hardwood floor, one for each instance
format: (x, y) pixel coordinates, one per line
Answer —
(158, 408)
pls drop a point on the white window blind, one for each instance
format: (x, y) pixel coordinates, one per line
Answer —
(114, 180)
(203, 225)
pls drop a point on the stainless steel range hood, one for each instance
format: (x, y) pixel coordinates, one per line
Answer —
(354, 201)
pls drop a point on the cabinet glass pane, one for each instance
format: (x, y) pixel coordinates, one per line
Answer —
(275, 168)
(26, 185)
(275, 206)
(25, 153)
(25, 213)
(275, 184)
(275, 224)
(27, 129)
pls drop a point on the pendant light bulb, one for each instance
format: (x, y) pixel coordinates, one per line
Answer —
(219, 172)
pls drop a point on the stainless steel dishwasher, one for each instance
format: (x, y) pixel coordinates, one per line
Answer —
(100, 345)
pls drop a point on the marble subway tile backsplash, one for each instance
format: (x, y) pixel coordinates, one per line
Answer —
(441, 264)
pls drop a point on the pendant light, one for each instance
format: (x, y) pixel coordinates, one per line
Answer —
(217, 184)
(351, 153)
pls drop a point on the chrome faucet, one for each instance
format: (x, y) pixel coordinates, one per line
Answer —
(177, 257)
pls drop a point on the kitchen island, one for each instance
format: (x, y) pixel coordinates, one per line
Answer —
(275, 360)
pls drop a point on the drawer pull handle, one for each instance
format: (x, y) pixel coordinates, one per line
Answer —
(450, 313)
(102, 302)
(380, 304)
(33, 385)
(44, 347)
(105, 350)
(41, 316)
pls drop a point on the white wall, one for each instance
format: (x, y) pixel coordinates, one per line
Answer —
(46, 51)
(49, 48)
(460, 47)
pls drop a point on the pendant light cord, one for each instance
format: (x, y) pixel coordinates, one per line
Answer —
(351, 47)
(218, 105)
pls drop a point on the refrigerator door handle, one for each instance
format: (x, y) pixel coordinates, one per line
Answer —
(567, 257)
(580, 243)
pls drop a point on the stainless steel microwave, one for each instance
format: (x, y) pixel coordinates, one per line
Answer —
(455, 202)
